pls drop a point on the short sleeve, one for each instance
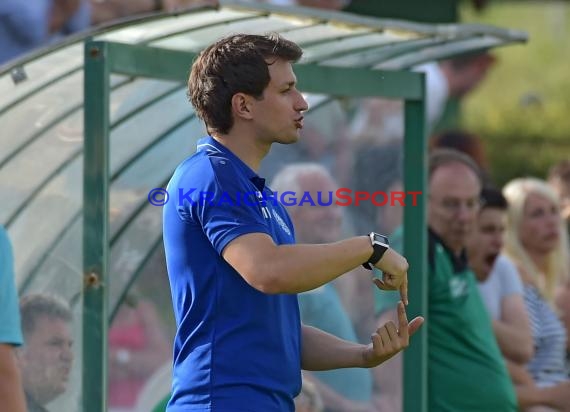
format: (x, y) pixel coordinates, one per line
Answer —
(10, 328)
(510, 277)
(224, 207)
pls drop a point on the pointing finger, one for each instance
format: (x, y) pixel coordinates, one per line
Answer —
(403, 323)
(404, 290)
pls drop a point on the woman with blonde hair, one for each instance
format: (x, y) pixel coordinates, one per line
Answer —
(537, 242)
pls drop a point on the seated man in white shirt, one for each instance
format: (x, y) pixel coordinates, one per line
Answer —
(499, 281)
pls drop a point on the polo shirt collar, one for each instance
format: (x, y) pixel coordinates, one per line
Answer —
(460, 263)
(212, 147)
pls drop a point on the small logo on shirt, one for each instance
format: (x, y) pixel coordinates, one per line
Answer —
(281, 222)
(458, 287)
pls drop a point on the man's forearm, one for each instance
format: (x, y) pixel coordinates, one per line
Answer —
(273, 269)
(11, 393)
(276, 269)
(323, 351)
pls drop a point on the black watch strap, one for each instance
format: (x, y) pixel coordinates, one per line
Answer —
(380, 244)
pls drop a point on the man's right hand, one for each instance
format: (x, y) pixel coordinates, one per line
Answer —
(394, 269)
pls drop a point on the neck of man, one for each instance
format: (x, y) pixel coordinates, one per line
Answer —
(249, 150)
(480, 274)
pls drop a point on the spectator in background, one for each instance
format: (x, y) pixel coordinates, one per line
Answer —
(462, 346)
(342, 390)
(11, 394)
(463, 141)
(46, 357)
(108, 10)
(498, 279)
(26, 25)
(537, 242)
(380, 121)
(138, 346)
(377, 168)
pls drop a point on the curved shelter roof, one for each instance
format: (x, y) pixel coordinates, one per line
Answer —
(41, 102)
(152, 126)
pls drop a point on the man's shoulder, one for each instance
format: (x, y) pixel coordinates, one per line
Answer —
(202, 167)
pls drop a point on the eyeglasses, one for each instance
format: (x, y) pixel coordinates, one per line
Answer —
(453, 206)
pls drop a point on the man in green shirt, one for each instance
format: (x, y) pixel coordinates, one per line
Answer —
(466, 371)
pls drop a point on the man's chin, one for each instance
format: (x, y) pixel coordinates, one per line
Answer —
(288, 139)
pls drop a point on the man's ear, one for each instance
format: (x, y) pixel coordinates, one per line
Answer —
(242, 106)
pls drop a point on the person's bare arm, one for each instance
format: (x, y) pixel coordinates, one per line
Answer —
(272, 268)
(323, 351)
(519, 374)
(563, 305)
(556, 397)
(11, 393)
(513, 330)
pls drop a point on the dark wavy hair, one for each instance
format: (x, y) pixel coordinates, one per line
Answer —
(234, 64)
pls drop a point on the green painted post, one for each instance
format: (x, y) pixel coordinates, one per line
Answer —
(415, 249)
(95, 227)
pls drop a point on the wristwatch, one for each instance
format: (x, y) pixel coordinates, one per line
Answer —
(380, 245)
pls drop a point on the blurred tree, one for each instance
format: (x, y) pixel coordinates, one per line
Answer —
(521, 110)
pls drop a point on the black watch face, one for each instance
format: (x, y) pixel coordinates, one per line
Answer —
(381, 239)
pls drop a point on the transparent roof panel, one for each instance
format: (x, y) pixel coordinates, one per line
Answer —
(153, 126)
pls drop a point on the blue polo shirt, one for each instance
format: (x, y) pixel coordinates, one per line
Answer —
(236, 349)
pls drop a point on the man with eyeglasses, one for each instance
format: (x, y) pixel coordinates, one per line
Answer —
(466, 371)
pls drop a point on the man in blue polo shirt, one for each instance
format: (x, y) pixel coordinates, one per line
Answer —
(233, 266)
(11, 392)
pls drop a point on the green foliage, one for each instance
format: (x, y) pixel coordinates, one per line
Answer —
(521, 109)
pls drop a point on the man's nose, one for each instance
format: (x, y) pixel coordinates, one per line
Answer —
(67, 354)
(301, 104)
(465, 212)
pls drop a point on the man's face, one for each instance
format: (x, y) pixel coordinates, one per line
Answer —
(453, 204)
(46, 359)
(486, 241)
(278, 115)
(317, 224)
